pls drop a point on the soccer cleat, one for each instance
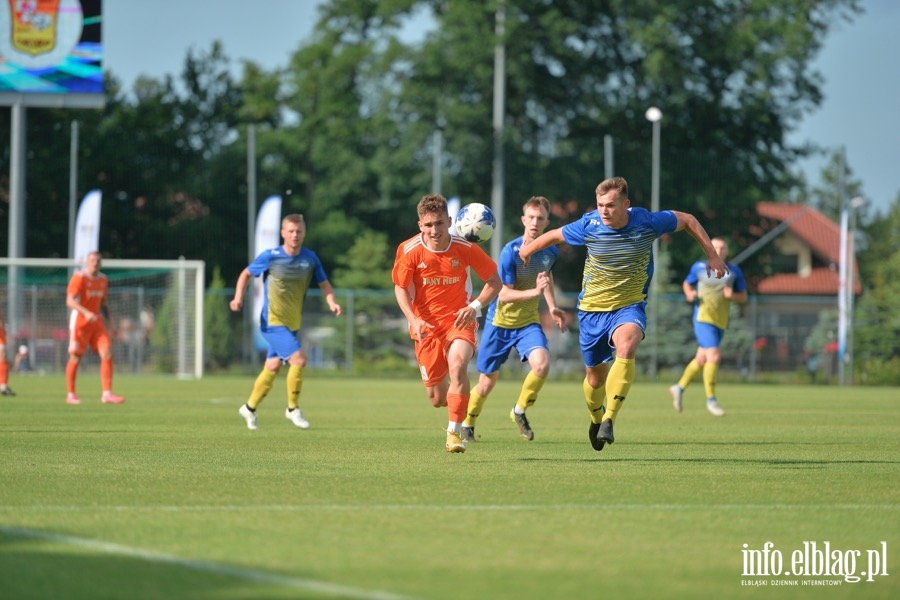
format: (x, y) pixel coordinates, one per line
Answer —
(296, 417)
(7, 391)
(713, 407)
(467, 434)
(592, 435)
(110, 398)
(248, 415)
(605, 432)
(675, 391)
(521, 422)
(73, 399)
(455, 443)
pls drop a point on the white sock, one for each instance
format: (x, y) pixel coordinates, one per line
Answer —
(518, 410)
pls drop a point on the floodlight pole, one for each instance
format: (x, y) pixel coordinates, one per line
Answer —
(654, 115)
(16, 212)
(251, 229)
(73, 186)
(608, 162)
(497, 195)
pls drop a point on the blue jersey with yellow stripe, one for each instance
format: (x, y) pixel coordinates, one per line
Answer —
(514, 273)
(619, 263)
(286, 279)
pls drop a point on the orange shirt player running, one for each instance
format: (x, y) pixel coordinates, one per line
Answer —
(86, 296)
(434, 291)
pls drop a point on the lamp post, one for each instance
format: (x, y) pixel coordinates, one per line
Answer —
(437, 159)
(654, 115)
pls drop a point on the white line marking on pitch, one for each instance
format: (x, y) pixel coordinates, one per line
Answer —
(248, 574)
(454, 507)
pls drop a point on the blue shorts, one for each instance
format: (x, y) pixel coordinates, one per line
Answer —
(708, 335)
(282, 341)
(497, 342)
(596, 329)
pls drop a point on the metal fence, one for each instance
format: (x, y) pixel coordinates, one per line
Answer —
(766, 335)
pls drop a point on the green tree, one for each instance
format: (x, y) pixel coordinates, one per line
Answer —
(876, 335)
(220, 335)
(380, 340)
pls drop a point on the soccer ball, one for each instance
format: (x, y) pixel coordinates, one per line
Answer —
(475, 222)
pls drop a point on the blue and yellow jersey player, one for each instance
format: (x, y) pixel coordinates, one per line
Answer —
(513, 321)
(612, 302)
(287, 273)
(712, 300)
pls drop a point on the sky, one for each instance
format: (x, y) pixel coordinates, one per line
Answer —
(860, 63)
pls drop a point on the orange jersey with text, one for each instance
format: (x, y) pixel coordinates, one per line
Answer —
(439, 281)
(89, 291)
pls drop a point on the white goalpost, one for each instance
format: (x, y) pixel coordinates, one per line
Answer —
(155, 309)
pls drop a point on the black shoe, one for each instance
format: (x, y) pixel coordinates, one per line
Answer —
(7, 391)
(605, 432)
(467, 433)
(592, 435)
(521, 422)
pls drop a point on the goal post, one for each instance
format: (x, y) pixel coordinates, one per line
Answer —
(155, 307)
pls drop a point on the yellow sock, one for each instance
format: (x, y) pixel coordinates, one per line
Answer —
(690, 372)
(476, 403)
(530, 388)
(710, 371)
(294, 385)
(594, 400)
(261, 387)
(618, 382)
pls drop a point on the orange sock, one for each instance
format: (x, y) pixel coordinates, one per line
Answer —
(106, 372)
(71, 373)
(4, 372)
(457, 405)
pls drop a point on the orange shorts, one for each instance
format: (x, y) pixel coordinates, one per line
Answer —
(431, 352)
(92, 335)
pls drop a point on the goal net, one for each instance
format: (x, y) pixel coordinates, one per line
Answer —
(155, 314)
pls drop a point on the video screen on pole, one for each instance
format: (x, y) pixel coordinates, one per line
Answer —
(51, 47)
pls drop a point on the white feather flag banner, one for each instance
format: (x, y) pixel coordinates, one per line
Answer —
(268, 235)
(87, 227)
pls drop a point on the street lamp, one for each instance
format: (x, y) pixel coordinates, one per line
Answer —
(654, 115)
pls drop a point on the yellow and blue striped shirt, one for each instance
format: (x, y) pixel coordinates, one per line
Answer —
(286, 279)
(515, 315)
(619, 263)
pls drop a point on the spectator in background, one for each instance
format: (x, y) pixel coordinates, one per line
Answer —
(22, 362)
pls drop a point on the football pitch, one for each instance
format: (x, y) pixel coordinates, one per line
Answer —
(170, 496)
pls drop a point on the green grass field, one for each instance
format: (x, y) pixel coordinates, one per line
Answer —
(169, 496)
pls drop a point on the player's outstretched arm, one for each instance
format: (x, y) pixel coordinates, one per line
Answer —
(695, 229)
(545, 240)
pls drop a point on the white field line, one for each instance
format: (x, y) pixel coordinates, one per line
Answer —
(453, 507)
(247, 574)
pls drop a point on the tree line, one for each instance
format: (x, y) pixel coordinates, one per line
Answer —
(344, 132)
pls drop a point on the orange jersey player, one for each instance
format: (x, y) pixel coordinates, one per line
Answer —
(433, 288)
(86, 296)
